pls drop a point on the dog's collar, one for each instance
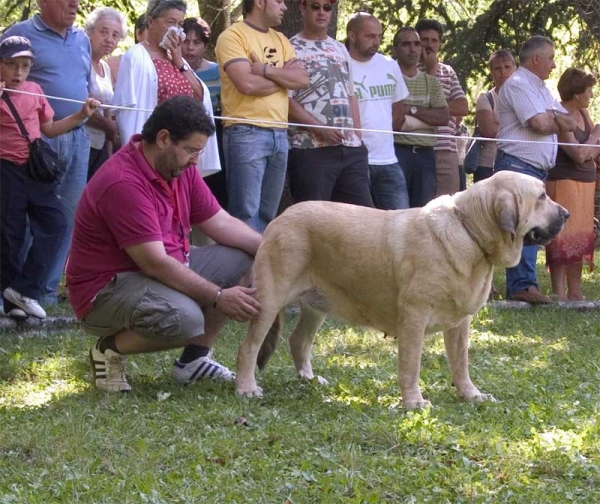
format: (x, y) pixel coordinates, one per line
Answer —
(472, 235)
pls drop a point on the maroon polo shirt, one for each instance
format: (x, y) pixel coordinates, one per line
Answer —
(126, 203)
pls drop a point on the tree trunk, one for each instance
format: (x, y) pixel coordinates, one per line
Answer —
(217, 13)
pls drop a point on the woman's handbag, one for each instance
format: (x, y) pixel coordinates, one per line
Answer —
(471, 161)
(44, 165)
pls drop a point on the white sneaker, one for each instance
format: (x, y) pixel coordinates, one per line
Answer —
(200, 369)
(108, 370)
(28, 305)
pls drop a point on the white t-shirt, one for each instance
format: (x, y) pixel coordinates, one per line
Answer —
(378, 83)
(102, 90)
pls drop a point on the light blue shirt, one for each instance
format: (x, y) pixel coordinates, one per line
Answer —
(62, 65)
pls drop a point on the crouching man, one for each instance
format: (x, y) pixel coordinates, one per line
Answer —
(134, 281)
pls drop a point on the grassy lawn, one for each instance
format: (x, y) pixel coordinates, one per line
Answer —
(348, 442)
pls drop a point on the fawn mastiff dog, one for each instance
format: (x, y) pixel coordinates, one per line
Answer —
(403, 272)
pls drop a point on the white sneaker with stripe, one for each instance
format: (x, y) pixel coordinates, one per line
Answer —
(203, 368)
(108, 369)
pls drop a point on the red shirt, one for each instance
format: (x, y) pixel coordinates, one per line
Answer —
(171, 82)
(33, 110)
(126, 204)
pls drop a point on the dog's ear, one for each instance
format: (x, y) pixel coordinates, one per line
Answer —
(507, 213)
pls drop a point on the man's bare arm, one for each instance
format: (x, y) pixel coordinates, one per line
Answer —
(292, 76)
(397, 115)
(227, 230)
(458, 107)
(236, 302)
(437, 116)
(247, 83)
(550, 122)
(297, 114)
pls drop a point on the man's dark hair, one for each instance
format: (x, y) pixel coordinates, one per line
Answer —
(404, 29)
(181, 116)
(199, 27)
(247, 6)
(430, 24)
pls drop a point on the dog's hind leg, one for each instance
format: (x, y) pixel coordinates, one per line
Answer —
(245, 381)
(313, 310)
(456, 341)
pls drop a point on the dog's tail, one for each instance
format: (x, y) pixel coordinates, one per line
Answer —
(271, 340)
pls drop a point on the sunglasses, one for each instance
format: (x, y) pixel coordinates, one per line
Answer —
(326, 7)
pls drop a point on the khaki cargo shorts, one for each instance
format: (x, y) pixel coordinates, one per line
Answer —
(133, 300)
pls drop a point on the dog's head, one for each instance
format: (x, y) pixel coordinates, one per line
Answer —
(516, 211)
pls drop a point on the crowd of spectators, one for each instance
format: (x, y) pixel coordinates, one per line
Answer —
(368, 129)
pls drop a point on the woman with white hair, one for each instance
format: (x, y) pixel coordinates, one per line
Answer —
(105, 27)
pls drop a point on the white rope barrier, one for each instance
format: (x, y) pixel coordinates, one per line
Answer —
(309, 126)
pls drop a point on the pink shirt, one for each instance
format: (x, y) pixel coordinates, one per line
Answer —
(33, 110)
(126, 204)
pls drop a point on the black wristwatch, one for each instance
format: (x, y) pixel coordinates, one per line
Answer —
(184, 68)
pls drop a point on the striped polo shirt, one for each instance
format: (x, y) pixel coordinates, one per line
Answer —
(453, 91)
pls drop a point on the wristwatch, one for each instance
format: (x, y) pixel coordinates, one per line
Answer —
(184, 68)
(413, 110)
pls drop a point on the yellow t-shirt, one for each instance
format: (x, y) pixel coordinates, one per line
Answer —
(235, 44)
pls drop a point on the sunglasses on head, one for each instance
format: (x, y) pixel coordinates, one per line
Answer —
(326, 7)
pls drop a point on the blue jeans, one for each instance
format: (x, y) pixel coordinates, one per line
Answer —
(388, 187)
(73, 148)
(418, 165)
(523, 275)
(22, 198)
(256, 161)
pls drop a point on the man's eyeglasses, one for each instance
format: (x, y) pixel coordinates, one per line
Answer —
(192, 153)
(326, 7)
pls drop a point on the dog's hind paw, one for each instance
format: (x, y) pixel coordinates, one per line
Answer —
(253, 392)
(480, 398)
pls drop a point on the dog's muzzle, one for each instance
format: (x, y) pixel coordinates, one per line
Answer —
(543, 236)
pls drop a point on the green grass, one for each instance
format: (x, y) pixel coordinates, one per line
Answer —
(348, 442)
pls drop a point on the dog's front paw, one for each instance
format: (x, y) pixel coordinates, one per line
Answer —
(416, 404)
(310, 377)
(255, 391)
(321, 380)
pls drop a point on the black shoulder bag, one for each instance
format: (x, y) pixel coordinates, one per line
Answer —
(44, 165)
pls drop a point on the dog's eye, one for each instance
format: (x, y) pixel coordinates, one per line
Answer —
(542, 197)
